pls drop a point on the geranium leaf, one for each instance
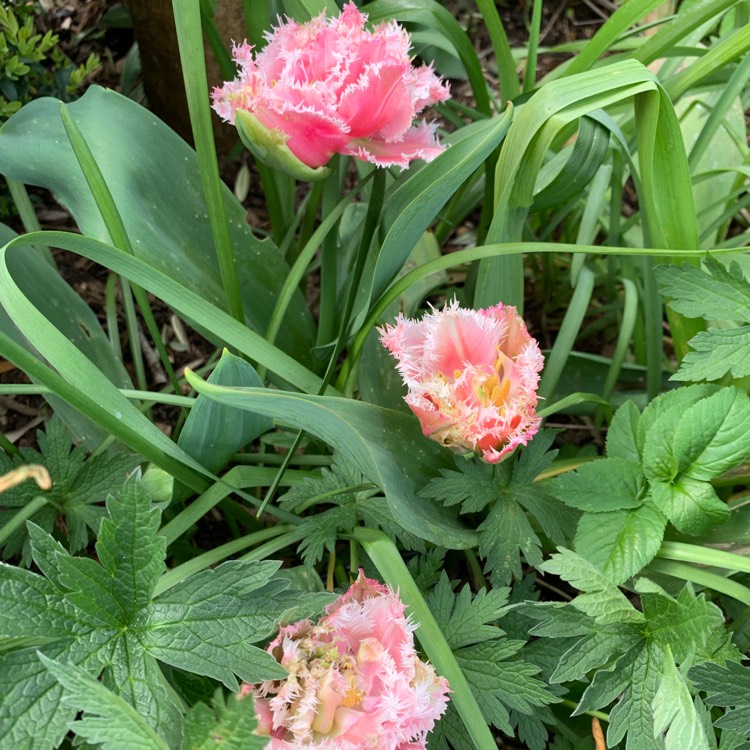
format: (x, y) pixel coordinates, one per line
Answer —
(108, 721)
(717, 293)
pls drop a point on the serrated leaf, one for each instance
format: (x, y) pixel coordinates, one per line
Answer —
(465, 620)
(320, 531)
(137, 678)
(691, 506)
(504, 536)
(483, 652)
(108, 720)
(608, 484)
(622, 542)
(229, 724)
(475, 485)
(712, 436)
(716, 352)
(530, 728)
(595, 650)
(29, 691)
(101, 619)
(534, 459)
(622, 436)
(601, 599)
(208, 623)
(558, 620)
(375, 512)
(556, 520)
(657, 424)
(79, 488)
(717, 293)
(633, 713)
(683, 624)
(500, 684)
(674, 712)
(726, 684)
(426, 569)
(608, 684)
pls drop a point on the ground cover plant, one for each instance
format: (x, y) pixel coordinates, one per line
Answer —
(465, 462)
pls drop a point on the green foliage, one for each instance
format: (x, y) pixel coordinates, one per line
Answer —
(227, 724)
(716, 293)
(32, 65)
(102, 616)
(726, 685)
(658, 469)
(354, 500)
(639, 656)
(506, 535)
(501, 681)
(80, 486)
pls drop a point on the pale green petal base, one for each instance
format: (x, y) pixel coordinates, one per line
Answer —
(270, 147)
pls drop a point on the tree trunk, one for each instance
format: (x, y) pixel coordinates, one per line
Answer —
(154, 28)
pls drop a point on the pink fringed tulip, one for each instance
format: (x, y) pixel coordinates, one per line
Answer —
(355, 681)
(331, 86)
(472, 377)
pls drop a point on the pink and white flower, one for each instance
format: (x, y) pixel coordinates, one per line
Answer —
(331, 86)
(355, 680)
(472, 377)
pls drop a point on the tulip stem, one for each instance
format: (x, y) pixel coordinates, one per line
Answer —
(372, 218)
(329, 258)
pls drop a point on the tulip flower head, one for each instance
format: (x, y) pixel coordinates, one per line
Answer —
(472, 377)
(331, 86)
(355, 681)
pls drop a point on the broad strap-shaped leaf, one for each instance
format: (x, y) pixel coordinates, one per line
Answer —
(213, 433)
(414, 203)
(386, 446)
(50, 293)
(143, 163)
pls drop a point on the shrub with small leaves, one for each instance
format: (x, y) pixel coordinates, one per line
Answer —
(32, 66)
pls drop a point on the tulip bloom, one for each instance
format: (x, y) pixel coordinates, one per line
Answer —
(355, 681)
(472, 377)
(331, 86)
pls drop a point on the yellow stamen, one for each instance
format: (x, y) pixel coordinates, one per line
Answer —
(500, 393)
